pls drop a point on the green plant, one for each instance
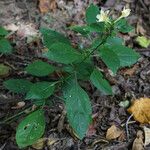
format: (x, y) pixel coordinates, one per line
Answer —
(77, 65)
(5, 47)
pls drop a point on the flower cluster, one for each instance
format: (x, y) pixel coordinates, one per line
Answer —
(104, 15)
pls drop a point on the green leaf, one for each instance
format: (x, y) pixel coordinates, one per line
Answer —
(3, 31)
(78, 107)
(30, 129)
(143, 41)
(50, 37)
(4, 70)
(84, 30)
(91, 13)
(80, 29)
(123, 26)
(101, 83)
(116, 56)
(83, 70)
(62, 53)
(41, 90)
(18, 85)
(5, 46)
(39, 68)
(127, 56)
(114, 41)
(109, 58)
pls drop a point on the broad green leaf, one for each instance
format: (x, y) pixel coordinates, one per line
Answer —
(116, 56)
(109, 58)
(3, 31)
(114, 41)
(30, 129)
(80, 29)
(91, 13)
(39, 68)
(18, 85)
(123, 26)
(63, 53)
(143, 41)
(4, 70)
(41, 90)
(50, 37)
(5, 46)
(127, 56)
(101, 83)
(83, 70)
(78, 107)
(84, 30)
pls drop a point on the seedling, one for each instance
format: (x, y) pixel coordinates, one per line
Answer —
(77, 66)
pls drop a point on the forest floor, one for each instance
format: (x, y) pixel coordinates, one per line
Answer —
(129, 83)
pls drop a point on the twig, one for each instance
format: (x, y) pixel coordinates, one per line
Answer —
(127, 130)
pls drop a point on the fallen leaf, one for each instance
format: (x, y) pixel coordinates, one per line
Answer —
(44, 6)
(140, 109)
(130, 71)
(147, 136)
(19, 105)
(143, 41)
(51, 141)
(11, 27)
(26, 30)
(113, 132)
(138, 142)
(53, 5)
(4, 70)
(39, 144)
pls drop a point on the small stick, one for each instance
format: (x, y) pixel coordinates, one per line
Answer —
(127, 130)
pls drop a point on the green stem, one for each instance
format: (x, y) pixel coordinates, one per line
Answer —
(103, 41)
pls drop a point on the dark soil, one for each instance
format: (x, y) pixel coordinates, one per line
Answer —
(106, 109)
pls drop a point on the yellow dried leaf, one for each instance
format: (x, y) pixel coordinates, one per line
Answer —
(113, 132)
(140, 109)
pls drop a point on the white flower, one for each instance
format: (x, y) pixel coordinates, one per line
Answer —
(125, 12)
(103, 16)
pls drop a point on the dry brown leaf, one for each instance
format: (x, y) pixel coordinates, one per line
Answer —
(44, 6)
(113, 132)
(130, 71)
(47, 5)
(39, 144)
(53, 5)
(138, 142)
(147, 136)
(140, 109)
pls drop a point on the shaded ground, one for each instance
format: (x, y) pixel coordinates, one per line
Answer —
(127, 84)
